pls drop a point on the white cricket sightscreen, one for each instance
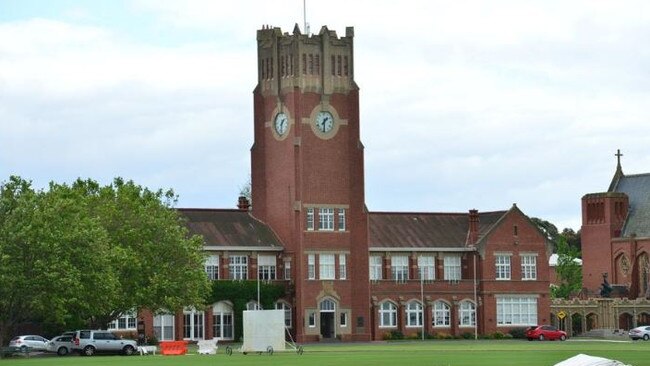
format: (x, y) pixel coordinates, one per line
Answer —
(263, 328)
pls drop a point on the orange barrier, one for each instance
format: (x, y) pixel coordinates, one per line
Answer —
(173, 347)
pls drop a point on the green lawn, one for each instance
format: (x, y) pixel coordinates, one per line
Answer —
(430, 353)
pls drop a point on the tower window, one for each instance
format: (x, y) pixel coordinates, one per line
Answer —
(341, 219)
(304, 64)
(291, 65)
(338, 69)
(345, 65)
(271, 73)
(326, 219)
(311, 266)
(282, 66)
(262, 74)
(317, 64)
(310, 219)
(311, 64)
(333, 65)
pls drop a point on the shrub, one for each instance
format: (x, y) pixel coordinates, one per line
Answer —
(467, 335)
(396, 334)
(498, 335)
(507, 336)
(152, 341)
(518, 333)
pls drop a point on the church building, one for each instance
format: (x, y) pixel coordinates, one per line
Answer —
(352, 274)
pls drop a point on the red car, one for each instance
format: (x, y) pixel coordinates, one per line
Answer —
(543, 332)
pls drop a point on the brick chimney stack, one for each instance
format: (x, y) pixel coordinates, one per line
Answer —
(243, 204)
(472, 236)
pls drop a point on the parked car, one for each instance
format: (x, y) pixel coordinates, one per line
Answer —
(29, 342)
(642, 332)
(89, 342)
(62, 345)
(543, 332)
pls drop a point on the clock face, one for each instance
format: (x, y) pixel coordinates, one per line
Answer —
(324, 121)
(281, 123)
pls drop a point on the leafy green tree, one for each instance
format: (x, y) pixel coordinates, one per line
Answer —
(572, 238)
(83, 254)
(568, 270)
(548, 229)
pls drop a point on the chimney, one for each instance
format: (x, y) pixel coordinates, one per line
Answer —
(472, 236)
(243, 203)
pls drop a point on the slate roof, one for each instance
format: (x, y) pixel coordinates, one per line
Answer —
(425, 230)
(230, 228)
(637, 188)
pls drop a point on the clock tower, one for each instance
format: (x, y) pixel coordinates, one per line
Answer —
(308, 177)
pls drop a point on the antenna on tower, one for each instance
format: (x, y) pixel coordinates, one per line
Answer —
(304, 16)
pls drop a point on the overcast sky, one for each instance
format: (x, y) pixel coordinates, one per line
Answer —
(464, 104)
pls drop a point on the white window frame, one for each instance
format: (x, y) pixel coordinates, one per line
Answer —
(427, 267)
(441, 314)
(281, 305)
(266, 267)
(310, 218)
(238, 267)
(414, 314)
(342, 223)
(126, 321)
(223, 326)
(212, 267)
(311, 266)
(287, 270)
(326, 266)
(375, 266)
(387, 315)
(529, 267)
(343, 268)
(466, 314)
(163, 327)
(325, 219)
(311, 319)
(516, 310)
(399, 268)
(452, 267)
(502, 267)
(343, 319)
(253, 305)
(195, 329)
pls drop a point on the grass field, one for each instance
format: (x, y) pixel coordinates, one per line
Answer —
(430, 353)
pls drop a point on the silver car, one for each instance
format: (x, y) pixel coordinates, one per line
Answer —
(62, 345)
(27, 343)
(89, 342)
(642, 332)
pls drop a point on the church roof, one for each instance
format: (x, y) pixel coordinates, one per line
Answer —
(230, 228)
(425, 230)
(637, 188)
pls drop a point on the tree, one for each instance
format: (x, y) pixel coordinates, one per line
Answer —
(572, 238)
(548, 229)
(246, 191)
(568, 270)
(84, 254)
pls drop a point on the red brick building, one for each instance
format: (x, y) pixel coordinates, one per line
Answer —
(356, 275)
(616, 235)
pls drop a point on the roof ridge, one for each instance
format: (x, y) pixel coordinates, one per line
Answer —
(210, 209)
(431, 213)
(636, 175)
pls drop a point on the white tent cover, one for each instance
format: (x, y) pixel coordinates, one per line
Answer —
(263, 328)
(586, 360)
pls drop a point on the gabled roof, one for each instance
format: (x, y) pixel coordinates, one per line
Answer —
(425, 230)
(230, 228)
(637, 188)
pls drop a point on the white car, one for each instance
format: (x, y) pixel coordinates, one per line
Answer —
(642, 332)
(28, 343)
(62, 345)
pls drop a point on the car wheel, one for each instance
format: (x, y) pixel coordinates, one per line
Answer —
(89, 351)
(563, 337)
(129, 350)
(541, 337)
(62, 351)
(646, 337)
(23, 349)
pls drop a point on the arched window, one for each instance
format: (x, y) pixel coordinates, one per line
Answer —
(467, 314)
(222, 320)
(281, 305)
(413, 314)
(253, 305)
(441, 314)
(328, 306)
(387, 314)
(193, 322)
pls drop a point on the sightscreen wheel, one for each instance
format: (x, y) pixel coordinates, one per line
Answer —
(229, 350)
(300, 350)
(269, 350)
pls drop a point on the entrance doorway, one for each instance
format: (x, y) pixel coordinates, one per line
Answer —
(327, 312)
